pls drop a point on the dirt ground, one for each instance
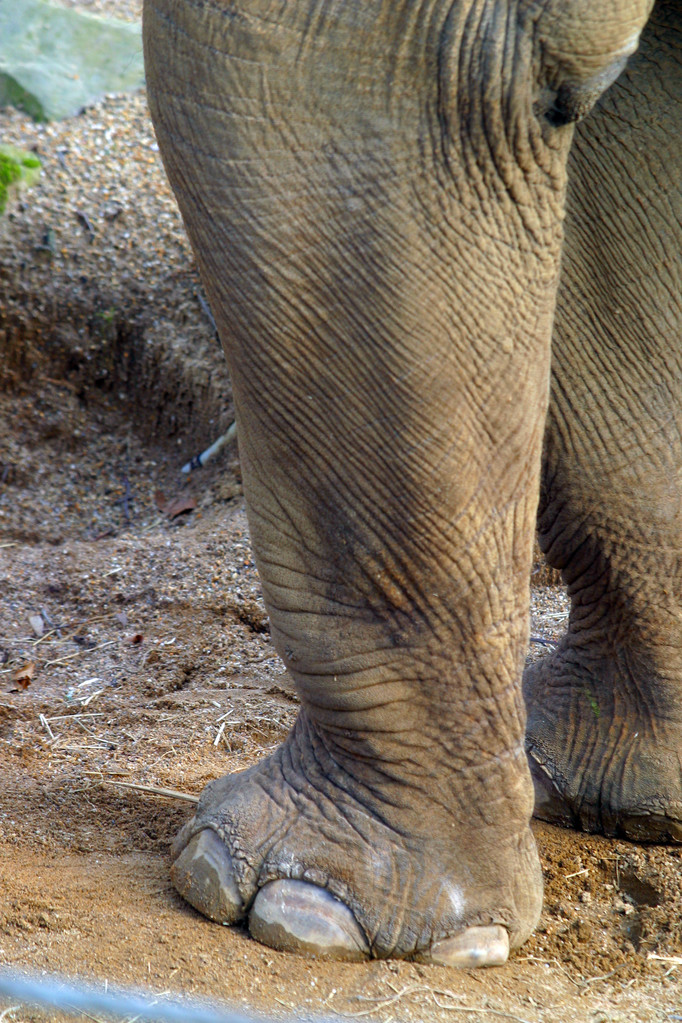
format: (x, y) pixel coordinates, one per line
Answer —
(134, 646)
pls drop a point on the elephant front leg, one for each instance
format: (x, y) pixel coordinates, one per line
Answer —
(605, 709)
(394, 818)
(374, 192)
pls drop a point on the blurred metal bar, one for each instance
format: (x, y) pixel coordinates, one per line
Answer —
(51, 992)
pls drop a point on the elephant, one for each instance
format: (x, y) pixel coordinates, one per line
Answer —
(378, 193)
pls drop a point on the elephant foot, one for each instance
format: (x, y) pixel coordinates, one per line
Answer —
(335, 881)
(297, 916)
(601, 757)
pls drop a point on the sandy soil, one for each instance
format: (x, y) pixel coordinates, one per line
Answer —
(134, 646)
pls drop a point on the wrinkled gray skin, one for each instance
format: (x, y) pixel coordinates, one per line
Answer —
(375, 191)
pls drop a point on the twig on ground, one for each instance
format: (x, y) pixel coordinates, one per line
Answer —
(677, 960)
(80, 749)
(77, 653)
(154, 790)
(46, 635)
(46, 725)
(210, 452)
(91, 697)
(383, 1003)
(445, 993)
(75, 717)
(74, 1009)
(593, 980)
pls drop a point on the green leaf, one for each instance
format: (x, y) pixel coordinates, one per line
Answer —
(18, 169)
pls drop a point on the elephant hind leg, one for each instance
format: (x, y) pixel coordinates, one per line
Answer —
(599, 762)
(605, 709)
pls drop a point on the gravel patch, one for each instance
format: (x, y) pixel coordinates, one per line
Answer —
(102, 195)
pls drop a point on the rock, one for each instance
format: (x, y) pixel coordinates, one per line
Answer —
(54, 60)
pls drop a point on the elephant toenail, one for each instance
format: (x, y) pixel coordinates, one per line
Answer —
(295, 916)
(203, 874)
(476, 946)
